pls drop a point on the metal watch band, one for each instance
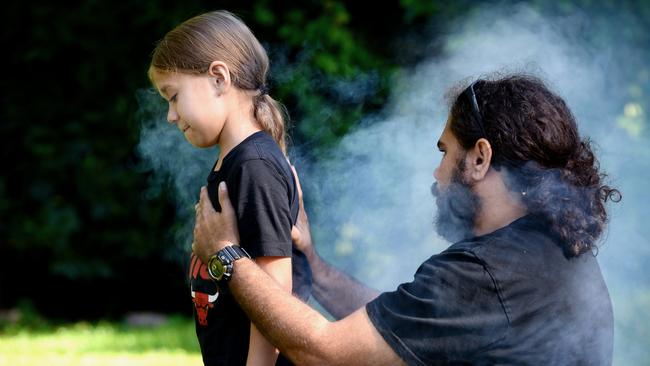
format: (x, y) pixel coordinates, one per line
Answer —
(227, 256)
(220, 265)
(235, 252)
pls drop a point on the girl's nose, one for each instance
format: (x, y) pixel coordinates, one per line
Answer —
(172, 116)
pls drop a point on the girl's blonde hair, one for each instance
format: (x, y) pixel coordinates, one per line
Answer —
(220, 35)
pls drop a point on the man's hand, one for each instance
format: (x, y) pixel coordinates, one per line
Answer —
(300, 233)
(214, 230)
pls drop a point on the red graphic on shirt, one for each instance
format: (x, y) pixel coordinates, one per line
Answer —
(201, 287)
(202, 304)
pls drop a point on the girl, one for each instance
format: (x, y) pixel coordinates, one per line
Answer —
(212, 71)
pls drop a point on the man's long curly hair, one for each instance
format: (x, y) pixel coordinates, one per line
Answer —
(535, 142)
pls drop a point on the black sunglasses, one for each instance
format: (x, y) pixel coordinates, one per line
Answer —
(477, 114)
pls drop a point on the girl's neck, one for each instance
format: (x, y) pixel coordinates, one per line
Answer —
(236, 129)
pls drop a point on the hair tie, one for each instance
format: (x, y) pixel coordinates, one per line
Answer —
(264, 90)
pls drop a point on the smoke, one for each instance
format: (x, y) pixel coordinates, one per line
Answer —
(369, 198)
(371, 194)
(173, 164)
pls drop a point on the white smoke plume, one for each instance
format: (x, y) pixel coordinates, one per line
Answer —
(369, 199)
(372, 194)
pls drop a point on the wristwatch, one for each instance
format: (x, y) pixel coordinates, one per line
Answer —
(220, 264)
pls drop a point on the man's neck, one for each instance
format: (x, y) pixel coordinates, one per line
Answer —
(499, 206)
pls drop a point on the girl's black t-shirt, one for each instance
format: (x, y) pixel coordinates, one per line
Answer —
(262, 189)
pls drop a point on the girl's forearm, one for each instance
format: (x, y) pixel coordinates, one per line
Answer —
(260, 351)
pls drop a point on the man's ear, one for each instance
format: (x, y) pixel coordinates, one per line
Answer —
(221, 74)
(479, 159)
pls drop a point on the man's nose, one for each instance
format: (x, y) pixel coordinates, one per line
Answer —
(172, 116)
(436, 173)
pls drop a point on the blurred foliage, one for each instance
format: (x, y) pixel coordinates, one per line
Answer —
(75, 223)
(622, 25)
(77, 234)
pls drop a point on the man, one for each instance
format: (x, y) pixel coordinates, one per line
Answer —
(520, 193)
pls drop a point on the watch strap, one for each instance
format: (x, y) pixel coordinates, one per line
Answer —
(232, 252)
(220, 265)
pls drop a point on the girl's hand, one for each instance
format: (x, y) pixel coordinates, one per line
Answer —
(214, 230)
(300, 233)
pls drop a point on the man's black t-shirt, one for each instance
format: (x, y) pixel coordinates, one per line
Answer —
(507, 298)
(264, 194)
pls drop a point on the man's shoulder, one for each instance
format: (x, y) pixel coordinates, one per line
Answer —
(524, 237)
(461, 263)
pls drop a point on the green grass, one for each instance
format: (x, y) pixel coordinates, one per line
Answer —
(103, 343)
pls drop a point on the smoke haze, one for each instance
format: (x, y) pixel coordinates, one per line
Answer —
(371, 194)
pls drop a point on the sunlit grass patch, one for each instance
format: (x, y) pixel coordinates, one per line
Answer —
(157, 358)
(104, 343)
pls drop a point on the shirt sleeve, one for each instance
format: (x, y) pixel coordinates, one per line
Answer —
(450, 312)
(262, 207)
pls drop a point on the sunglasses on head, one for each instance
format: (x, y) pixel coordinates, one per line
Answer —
(471, 95)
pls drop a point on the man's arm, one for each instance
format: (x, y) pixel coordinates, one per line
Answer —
(339, 293)
(300, 332)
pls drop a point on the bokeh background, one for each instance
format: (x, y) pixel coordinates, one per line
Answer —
(97, 190)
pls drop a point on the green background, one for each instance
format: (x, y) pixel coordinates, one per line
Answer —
(82, 236)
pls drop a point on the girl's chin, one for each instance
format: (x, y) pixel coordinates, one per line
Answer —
(199, 144)
(198, 140)
(192, 141)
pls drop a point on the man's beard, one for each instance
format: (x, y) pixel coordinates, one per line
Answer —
(457, 207)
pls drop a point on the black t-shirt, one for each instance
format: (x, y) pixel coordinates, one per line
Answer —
(507, 298)
(264, 194)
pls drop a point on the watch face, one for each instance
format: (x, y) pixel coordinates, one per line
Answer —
(216, 268)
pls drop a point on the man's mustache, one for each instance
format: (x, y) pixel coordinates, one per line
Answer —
(434, 189)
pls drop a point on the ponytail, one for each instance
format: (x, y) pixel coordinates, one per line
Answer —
(271, 115)
(571, 199)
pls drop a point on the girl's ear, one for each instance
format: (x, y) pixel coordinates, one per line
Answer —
(219, 70)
